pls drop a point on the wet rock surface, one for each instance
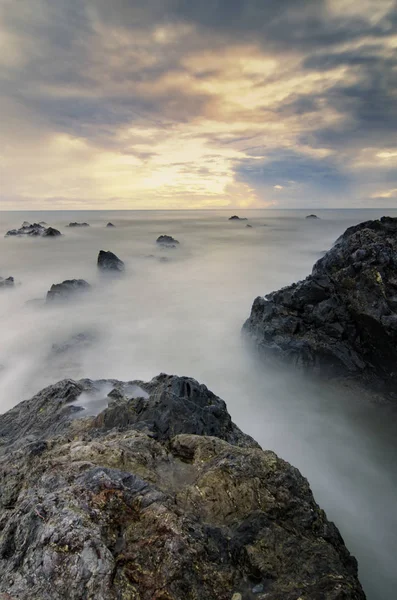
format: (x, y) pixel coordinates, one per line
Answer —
(7, 282)
(159, 496)
(342, 319)
(67, 289)
(107, 261)
(167, 241)
(33, 230)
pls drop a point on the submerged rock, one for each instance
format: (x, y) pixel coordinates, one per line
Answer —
(78, 224)
(33, 230)
(107, 261)
(342, 319)
(78, 341)
(67, 289)
(250, 226)
(158, 496)
(8, 282)
(312, 217)
(236, 218)
(167, 241)
(110, 225)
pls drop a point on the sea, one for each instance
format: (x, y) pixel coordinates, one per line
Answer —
(180, 311)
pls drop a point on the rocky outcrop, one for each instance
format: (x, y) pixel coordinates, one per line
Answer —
(312, 217)
(107, 261)
(33, 230)
(6, 283)
(342, 319)
(110, 225)
(67, 289)
(167, 241)
(159, 496)
(78, 224)
(236, 218)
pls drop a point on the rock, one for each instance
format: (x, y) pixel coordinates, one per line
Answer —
(8, 282)
(167, 241)
(342, 319)
(158, 496)
(250, 226)
(67, 289)
(312, 217)
(78, 341)
(107, 261)
(110, 225)
(33, 230)
(78, 225)
(236, 218)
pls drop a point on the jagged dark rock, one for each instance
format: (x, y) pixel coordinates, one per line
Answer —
(312, 217)
(158, 496)
(78, 224)
(8, 282)
(67, 289)
(342, 319)
(107, 261)
(110, 225)
(33, 230)
(236, 218)
(167, 241)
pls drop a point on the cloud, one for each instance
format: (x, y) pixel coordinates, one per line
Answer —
(182, 104)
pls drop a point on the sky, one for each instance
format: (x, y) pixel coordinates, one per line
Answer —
(186, 104)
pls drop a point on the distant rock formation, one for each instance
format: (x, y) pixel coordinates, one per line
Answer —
(110, 225)
(249, 226)
(8, 282)
(78, 224)
(107, 261)
(160, 495)
(342, 318)
(67, 289)
(33, 230)
(236, 218)
(167, 241)
(312, 217)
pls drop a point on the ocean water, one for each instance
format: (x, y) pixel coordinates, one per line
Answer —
(180, 311)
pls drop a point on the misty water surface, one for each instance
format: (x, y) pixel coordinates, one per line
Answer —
(180, 311)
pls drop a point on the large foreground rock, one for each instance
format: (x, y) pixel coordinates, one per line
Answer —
(342, 319)
(33, 230)
(159, 496)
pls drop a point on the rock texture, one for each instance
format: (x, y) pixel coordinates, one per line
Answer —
(167, 241)
(8, 282)
(342, 319)
(67, 289)
(33, 230)
(107, 261)
(158, 497)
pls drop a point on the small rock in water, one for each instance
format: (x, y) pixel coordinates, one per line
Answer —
(110, 225)
(9, 282)
(107, 261)
(250, 226)
(33, 230)
(236, 218)
(167, 241)
(78, 224)
(66, 289)
(312, 217)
